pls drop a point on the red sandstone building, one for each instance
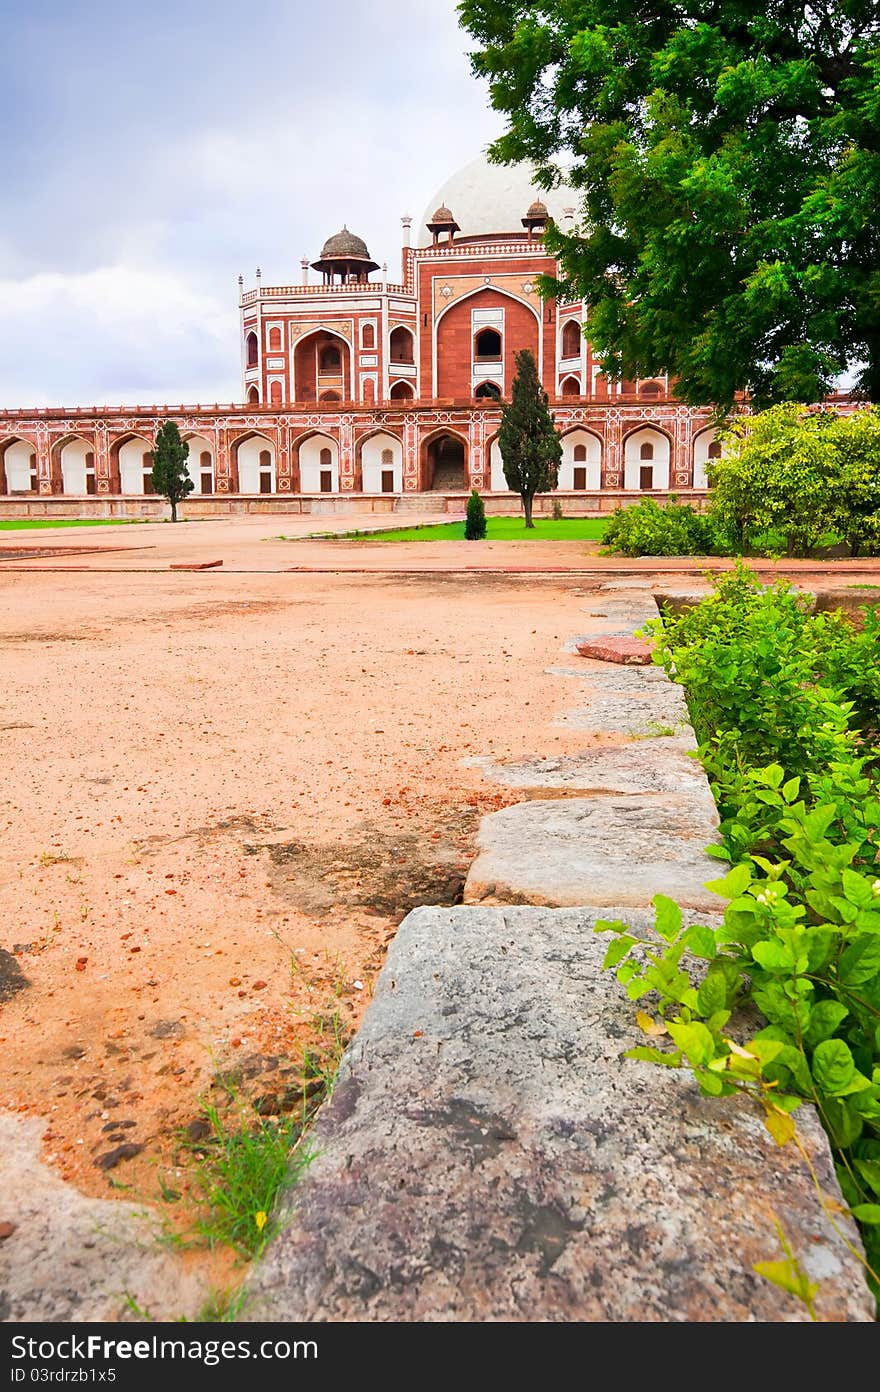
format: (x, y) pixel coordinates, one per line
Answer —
(379, 393)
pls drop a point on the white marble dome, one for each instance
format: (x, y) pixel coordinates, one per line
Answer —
(487, 198)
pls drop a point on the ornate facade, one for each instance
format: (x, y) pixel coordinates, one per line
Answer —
(372, 392)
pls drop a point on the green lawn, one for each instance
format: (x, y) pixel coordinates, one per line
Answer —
(27, 524)
(497, 529)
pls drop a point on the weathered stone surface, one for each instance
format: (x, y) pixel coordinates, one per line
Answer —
(607, 648)
(643, 766)
(677, 601)
(489, 1155)
(598, 850)
(851, 602)
(652, 712)
(74, 1259)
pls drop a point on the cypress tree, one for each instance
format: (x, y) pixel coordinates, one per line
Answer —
(528, 439)
(475, 519)
(169, 474)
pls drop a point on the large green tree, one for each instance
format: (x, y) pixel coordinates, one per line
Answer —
(727, 155)
(169, 473)
(528, 439)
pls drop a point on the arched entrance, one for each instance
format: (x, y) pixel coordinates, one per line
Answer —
(18, 467)
(444, 465)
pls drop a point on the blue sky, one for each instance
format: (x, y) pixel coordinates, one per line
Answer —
(149, 155)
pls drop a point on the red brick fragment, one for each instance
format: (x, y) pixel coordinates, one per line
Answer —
(630, 651)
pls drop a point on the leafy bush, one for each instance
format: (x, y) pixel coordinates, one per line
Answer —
(801, 473)
(785, 704)
(475, 518)
(647, 529)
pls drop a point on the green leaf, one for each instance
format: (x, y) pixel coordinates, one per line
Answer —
(710, 1083)
(734, 883)
(712, 993)
(627, 970)
(701, 941)
(617, 950)
(668, 919)
(774, 956)
(844, 1124)
(825, 1017)
(789, 1277)
(866, 1213)
(791, 789)
(832, 1066)
(649, 1055)
(857, 889)
(694, 1040)
(861, 961)
(870, 1173)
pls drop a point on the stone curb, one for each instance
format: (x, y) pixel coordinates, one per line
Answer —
(489, 1154)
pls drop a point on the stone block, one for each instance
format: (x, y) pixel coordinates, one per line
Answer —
(643, 766)
(598, 850)
(489, 1154)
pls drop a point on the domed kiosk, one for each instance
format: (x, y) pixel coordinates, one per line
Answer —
(346, 256)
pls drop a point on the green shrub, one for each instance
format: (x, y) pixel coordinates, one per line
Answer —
(646, 529)
(799, 473)
(785, 704)
(557, 510)
(475, 519)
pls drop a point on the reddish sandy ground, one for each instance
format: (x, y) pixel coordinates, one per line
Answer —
(221, 793)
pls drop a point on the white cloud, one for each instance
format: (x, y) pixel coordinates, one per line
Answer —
(145, 336)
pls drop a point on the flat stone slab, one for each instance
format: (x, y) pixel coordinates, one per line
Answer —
(643, 766)
(598, 850)
(72, 1259)
(489, 1155)
(653, 713)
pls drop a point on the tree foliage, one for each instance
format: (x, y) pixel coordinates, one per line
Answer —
(728, 159)
(170, 477)
(528, 438)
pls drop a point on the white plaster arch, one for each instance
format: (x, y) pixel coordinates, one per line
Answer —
(372, 464)
(248, 450)
(72, 456)
(497, 481)
(199, 445)
(310, 464)
(17, 457)
(593, 462)
(131, 464)
(702, 440)
(633, 463)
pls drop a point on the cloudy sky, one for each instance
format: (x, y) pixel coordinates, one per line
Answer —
(151, 153)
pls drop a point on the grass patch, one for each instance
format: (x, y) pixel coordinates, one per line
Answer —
(240, 1167)
(497, 529)
(30, 524)
(248, 1148)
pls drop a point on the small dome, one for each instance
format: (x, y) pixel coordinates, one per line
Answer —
(443, 214)
(344, 246)
(537, 210)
